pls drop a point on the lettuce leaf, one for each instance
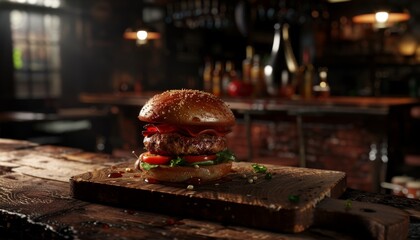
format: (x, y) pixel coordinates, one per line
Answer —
(147, 166)
(178, 161)
(225, 156)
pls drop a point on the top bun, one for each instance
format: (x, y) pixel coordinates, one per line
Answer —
(187, 107)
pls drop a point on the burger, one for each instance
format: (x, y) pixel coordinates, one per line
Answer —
(185, 137)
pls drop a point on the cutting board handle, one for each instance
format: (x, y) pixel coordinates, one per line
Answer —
(364, 219)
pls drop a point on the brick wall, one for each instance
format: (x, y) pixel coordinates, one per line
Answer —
(349, 145)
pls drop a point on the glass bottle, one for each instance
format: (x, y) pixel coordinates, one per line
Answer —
(217, 78)
(247, 65)
(307, 76)
(228, 75)
(257, 78)
(281, 68)
(207, 76)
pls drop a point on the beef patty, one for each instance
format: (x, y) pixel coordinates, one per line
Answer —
(175, 144)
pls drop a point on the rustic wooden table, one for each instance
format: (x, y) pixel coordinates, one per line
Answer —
(35, 203)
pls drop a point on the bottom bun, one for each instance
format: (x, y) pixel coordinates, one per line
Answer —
(186, 174)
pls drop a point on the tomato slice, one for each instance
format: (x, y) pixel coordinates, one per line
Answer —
(154, 158)
(151, 129)
(199, 158)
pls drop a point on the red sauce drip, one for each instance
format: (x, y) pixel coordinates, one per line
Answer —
(115, 175)
(151, 180)
(194, 181)
(131, 212)
(171, 222)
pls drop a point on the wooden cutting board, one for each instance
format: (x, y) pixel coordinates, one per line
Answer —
(288, 202)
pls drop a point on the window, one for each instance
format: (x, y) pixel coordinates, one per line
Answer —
(36, 52)
(44, 3)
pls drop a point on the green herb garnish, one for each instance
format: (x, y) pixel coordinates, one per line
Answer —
(148, 166)
(348, 204)
(294, 198)
(178, 161)
(268, 176)
(225, 156)
(259, 168)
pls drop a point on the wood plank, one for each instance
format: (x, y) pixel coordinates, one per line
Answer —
(412, 206)
(33, 196)
(24, 200)
(232, 201)
(45, 150)
(37, 208)
(90, 222)
(10, 144)
(57, 151)
(39, 165)
(55, 163)
(94, 158)
(367, 219)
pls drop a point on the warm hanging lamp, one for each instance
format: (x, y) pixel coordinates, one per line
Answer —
(140, 32)
(141, 35)
(382, 15)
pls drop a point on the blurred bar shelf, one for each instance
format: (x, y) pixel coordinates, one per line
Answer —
(346, 105)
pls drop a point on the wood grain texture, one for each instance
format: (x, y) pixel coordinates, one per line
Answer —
(370, 220)
(407, 204)
(95, 221)
(10, 144)
(37, 208)
(54, 163)
(33, 208)
(263, 204)
(24, 203)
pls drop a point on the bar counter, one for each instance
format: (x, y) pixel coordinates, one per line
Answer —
(351, 105)
(36, 204)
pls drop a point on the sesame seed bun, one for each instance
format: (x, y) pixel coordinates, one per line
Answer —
(187, 107)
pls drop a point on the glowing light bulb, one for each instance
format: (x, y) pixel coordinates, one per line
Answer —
(323, 74)
(141, 35)
(268, 70)
(381, 17)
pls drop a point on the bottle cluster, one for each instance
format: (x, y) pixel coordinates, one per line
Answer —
(222, 78)
(259, 78)
(218, 76)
